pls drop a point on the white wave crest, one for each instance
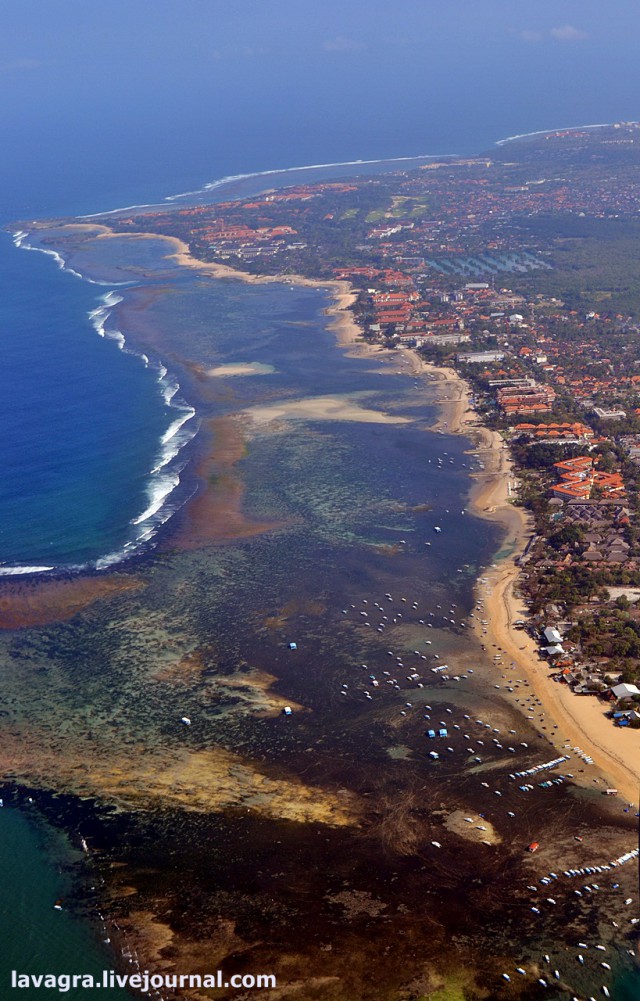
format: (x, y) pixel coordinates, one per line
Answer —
(165, 476)
(15, 571)
(173, 429)
(118, 337)
(174, 439)
(99, 316)
(19, 240)
(230, 178)
(124, 208)
(565, 128)
(159, 492)
(170, 388)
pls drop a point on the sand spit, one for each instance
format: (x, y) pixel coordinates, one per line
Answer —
(238, 368)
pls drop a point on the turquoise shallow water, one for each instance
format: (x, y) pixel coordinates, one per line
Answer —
(37, 867)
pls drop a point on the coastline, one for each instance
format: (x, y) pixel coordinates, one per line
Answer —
(580, 721)
(343, 324)
(215, 515)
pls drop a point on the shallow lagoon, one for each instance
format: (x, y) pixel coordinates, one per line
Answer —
(301, 844)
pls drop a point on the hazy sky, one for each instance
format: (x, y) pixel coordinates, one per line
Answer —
(352, 78)
(121, 46)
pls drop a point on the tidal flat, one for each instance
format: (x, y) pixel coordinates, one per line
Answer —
(329, 846)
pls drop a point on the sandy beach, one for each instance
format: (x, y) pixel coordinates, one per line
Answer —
(581, 720)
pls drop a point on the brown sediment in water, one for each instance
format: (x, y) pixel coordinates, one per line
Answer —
(37, 603)
(199, 781)
(292, 609)
(250, 689)
(215, 514)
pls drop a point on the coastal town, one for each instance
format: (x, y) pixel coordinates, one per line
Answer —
(514, 270)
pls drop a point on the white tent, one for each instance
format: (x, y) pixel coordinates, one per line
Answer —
(552, 635)
(625, 691)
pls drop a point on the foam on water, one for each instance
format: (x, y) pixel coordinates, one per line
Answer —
(20, 238)
(159, 492)
(164, 476)
(16, 571)
(565, 128)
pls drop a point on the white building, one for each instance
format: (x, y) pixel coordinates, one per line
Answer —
(552, 636)
(625, 691)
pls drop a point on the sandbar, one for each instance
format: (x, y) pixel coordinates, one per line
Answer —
(322, 408)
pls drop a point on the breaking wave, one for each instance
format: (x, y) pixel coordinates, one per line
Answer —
(20, 241)
(546, 132)
(164, 477)
(6, 571)
(277, 171)
(165, 490)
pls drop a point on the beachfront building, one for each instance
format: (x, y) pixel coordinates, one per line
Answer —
(531, 398)
(578, 478)
(623, 691)
(552, 636)
(554, 432)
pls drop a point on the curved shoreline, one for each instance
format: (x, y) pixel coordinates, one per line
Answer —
(585, 725)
